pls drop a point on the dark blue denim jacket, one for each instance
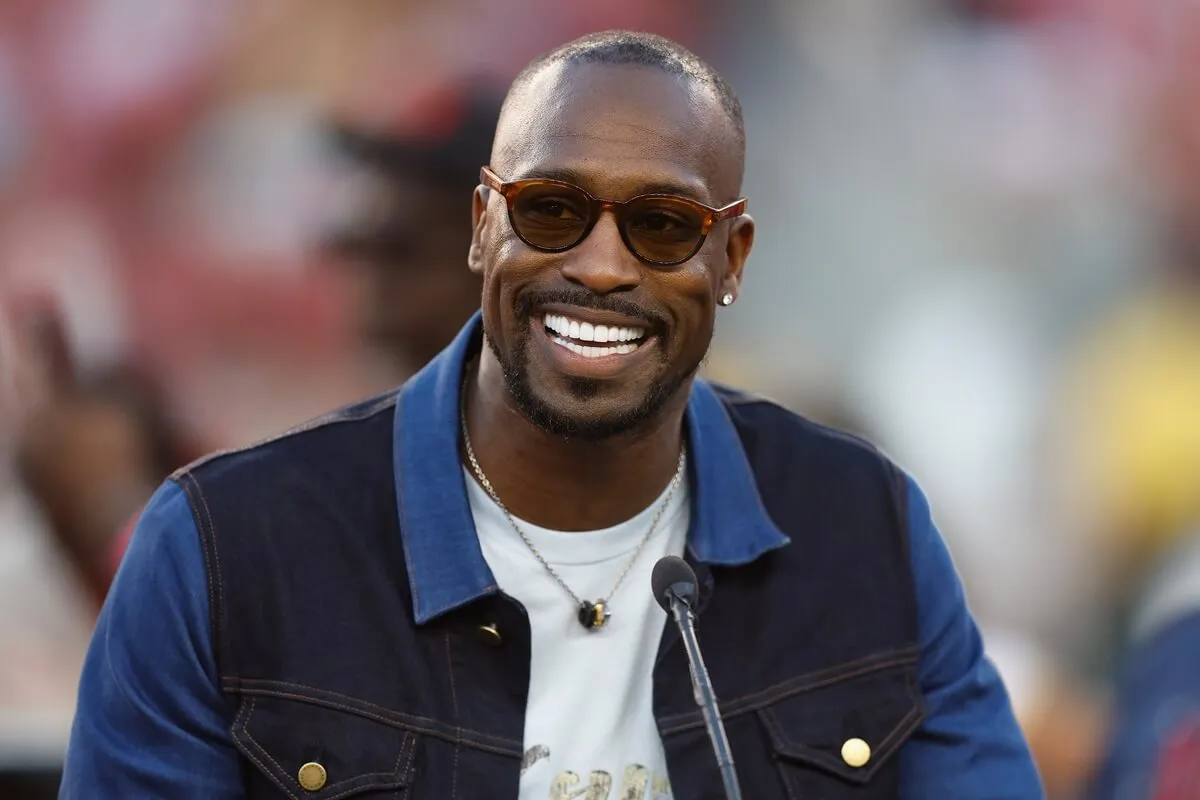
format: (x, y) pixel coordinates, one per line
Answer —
(322, 598)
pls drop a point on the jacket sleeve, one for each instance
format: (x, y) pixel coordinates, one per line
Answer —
(150, 719)
(969, 745)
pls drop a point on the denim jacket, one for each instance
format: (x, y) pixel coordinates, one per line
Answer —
(322, 599)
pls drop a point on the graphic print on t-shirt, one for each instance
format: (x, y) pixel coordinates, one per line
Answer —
(638, 782)
(590, 731)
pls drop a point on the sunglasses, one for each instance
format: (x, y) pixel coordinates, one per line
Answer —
(660, 229)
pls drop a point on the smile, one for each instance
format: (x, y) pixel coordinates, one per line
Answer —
(593, 341)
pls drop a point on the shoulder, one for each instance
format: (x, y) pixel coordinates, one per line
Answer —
(333, 442)
(754, 413)
(775, 437)
(150, 718)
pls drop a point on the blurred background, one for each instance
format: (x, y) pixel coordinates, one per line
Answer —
(979, 246)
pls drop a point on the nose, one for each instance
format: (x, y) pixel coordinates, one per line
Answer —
(602, 262)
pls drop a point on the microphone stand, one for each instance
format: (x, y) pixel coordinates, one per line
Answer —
(703, 692)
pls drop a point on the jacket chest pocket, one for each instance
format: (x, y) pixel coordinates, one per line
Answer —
(314, 752)
(840, 739)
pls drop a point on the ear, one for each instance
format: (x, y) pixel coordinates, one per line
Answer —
(479, 217)
(737, 250)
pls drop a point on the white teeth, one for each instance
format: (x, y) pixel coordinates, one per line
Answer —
(587, 332)
(594, 352)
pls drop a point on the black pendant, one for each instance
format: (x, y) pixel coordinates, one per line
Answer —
(592, 615)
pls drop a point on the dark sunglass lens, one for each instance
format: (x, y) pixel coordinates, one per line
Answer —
(664, 230)
(550, 216)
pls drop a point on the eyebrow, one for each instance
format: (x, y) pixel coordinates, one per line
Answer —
(568, 175)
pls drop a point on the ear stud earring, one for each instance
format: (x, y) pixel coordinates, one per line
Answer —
(726, 299)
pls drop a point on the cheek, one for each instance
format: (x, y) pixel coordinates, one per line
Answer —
(690, 292)
(500, 268)
(505, 273)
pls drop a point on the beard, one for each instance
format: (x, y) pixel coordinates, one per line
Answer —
(562, 423)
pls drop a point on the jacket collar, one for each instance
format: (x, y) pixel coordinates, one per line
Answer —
(446, 567)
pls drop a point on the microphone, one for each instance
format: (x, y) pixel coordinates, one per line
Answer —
(676, 589)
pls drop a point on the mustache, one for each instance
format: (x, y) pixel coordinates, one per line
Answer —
(533, 299)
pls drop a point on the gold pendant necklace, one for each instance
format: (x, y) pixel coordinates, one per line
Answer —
(591, 615)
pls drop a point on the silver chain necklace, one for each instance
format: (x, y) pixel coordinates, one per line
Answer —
(591, 615)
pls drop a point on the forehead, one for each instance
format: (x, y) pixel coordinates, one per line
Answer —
(618, 130)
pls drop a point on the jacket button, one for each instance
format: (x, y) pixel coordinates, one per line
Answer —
(491, 634)
(312, 777)
(856, 752)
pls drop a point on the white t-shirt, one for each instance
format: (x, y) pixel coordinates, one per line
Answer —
(589, 723)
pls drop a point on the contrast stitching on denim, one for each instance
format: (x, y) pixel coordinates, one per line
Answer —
(457, 720)
(242, 727)
(219, 633)
(274, 778)
(250, 736)
(265, 687)
(883, 748)
(821, 678)
(907, 723)
(816, 756)
(207, 542)
(358, 780)
(363, 781)
(412, 754)
(216, 554)
(254, 685)
(798, 685)
(468, 737)
(405, 744)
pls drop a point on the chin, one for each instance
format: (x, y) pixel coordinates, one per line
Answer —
(585, 408)
(581, 410)
(591, 410)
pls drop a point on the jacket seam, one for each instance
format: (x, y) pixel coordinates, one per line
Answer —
(793, 686)
(393, 719)
(212, 561)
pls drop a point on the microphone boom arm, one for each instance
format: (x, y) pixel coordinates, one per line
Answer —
(702, 691)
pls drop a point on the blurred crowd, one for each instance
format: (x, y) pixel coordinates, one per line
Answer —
(979, 246)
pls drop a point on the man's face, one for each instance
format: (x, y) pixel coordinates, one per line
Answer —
(617, 132)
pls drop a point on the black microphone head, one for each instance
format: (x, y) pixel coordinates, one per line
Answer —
(673, 575)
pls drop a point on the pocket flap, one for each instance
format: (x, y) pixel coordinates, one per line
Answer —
(850, 727)
(314, 751)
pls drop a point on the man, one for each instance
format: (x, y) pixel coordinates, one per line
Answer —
(444, 592)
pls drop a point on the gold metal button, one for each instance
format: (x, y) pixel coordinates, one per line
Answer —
(491, 634)
(312, 776)
(856, 752)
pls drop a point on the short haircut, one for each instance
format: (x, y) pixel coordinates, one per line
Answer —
(646, 50)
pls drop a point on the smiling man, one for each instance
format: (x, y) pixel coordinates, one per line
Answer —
(444, 592)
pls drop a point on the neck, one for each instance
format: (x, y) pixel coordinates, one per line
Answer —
(562, 484)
